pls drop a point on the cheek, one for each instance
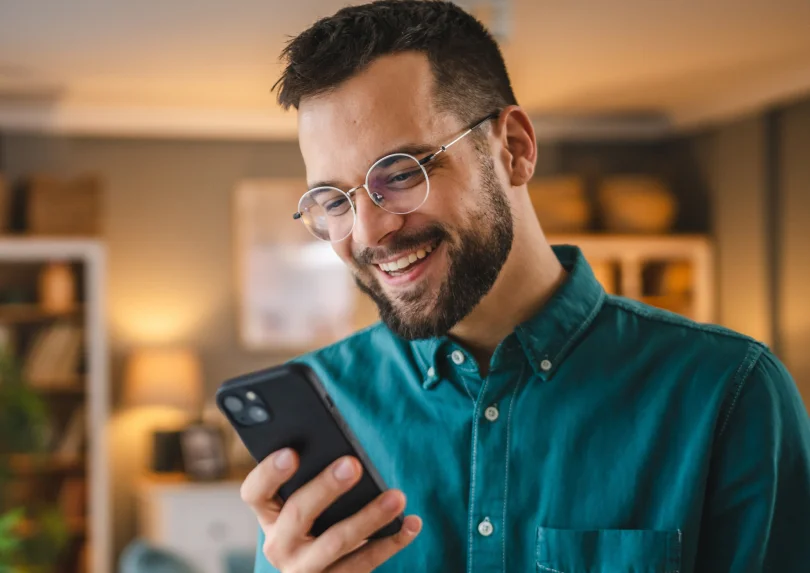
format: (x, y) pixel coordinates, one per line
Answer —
(451, 193)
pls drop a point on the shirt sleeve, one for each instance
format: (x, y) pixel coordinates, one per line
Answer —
(757, 511)
(262, 565)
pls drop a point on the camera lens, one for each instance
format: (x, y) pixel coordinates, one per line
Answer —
(258, 414)
(233, 404)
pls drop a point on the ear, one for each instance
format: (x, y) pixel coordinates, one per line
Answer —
(519, 143)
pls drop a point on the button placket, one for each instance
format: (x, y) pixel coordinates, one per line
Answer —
(489, 474)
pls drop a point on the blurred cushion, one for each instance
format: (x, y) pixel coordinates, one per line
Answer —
(140, 557)
(240, 561)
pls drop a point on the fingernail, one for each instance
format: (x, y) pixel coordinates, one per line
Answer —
(283, 460)
(412, 525)
(344, 470)
(389, 501)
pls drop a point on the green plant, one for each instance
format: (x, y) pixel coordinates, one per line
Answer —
(23, 430)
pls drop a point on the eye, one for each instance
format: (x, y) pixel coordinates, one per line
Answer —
(337, 206)
(403, 176)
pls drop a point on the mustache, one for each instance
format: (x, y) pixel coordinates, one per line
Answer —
(400, 243)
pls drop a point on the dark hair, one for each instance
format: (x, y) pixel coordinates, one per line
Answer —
(469, 71)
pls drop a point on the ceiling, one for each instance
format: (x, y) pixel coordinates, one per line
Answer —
(204, 67)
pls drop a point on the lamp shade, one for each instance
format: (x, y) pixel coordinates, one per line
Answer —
(163, 377)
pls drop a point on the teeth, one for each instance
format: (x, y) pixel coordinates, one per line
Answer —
(405, 261)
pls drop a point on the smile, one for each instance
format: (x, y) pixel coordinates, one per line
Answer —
(402, 263)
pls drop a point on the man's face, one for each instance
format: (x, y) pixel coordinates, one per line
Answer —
(460, 237)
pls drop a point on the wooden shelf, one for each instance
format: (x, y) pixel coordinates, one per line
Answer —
(75, 526)
(30, 464)
(24, 313)
(620, 263)
(74, 386)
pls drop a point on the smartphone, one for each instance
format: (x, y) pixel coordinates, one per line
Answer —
(287, 406)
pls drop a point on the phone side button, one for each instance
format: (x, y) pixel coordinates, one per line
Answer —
(329, 401)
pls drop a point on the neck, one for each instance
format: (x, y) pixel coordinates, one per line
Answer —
(529, 277)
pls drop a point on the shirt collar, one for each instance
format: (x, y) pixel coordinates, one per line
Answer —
(547, 337)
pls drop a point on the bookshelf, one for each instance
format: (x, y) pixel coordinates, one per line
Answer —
(64, 358)
(673, 272)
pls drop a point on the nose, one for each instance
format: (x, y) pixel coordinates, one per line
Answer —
(373, 223)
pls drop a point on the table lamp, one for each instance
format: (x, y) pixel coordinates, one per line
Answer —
(170, 377)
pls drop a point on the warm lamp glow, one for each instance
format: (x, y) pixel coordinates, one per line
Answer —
(164, 377)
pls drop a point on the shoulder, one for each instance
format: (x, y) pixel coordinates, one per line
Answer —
(667, 329)
(359, 353)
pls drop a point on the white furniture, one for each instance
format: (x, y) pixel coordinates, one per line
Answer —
(199, 521)
(675, 272)
(91, 258)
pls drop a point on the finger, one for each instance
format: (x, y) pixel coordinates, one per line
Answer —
(309, 501)
(344, 537)
(377, 552)
(260, 488)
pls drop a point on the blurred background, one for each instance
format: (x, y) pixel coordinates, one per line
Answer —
(147, 179)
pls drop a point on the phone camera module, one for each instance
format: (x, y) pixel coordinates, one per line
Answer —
(234, 404)
(258, 414)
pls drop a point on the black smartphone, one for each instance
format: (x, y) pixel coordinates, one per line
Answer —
(287, 406)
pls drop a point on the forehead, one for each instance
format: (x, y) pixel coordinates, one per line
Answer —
(387, 106)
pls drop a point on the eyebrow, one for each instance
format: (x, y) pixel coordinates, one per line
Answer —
(409, 149)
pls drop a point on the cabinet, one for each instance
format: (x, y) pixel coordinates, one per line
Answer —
(673, 272)
(201, 522)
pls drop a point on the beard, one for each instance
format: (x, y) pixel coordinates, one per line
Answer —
(476, 255)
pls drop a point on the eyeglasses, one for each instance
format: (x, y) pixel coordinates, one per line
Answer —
(397, 183)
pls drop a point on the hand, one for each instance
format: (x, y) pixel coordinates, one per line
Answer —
(343, 548)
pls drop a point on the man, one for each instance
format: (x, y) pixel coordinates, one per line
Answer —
(533, 422)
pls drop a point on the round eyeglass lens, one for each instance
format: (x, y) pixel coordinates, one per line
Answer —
(327, 212)
(398, 183)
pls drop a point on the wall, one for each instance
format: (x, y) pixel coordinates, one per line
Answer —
(168, 232)
(759, 180)
(733, 162)
(794, 240)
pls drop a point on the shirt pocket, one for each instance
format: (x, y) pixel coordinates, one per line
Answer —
(608, 551)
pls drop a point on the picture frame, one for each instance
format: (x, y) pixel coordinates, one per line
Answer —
(294, 294)
(204, 455)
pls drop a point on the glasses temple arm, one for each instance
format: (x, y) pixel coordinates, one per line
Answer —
(447, 146)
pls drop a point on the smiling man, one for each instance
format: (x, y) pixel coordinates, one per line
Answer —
(533, 422)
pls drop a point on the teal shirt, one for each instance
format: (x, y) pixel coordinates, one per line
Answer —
(609, 436)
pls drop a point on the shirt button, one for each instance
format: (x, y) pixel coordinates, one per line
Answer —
(457, 356)
(431, 371)
(545, 365)
(491, 413)
(485, 527)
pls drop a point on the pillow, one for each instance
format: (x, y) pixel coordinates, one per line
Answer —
(140, 557)
(240, 561)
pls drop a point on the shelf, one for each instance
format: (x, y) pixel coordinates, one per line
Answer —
(73, 386)
(31, 464)
(75, 526)
(24, 313)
